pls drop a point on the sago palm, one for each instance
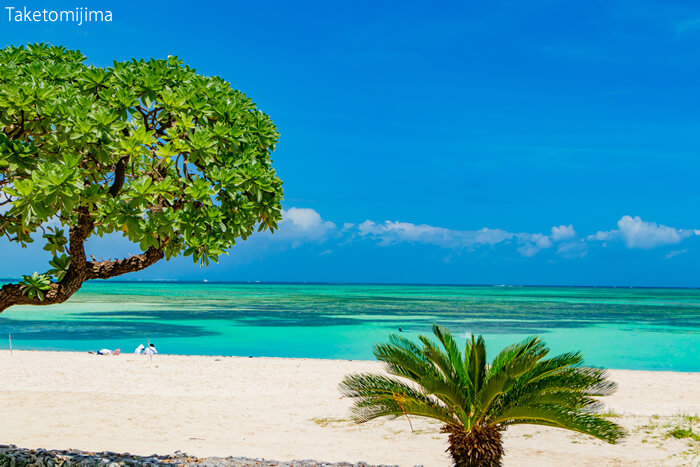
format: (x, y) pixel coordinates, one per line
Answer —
(477, 402)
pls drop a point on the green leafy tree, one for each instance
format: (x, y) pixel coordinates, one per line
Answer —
(477, 402)
(177, 162)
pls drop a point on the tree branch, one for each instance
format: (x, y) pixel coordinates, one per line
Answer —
(11, 294)
(107, 269)
(119, 173)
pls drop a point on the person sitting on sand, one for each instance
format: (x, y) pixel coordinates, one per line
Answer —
(104, 352)
(150, 350)
(139, 349)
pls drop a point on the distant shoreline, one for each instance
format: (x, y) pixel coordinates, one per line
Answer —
(371, 284)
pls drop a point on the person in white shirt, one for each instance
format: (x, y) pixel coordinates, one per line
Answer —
(139, 349)
(150, 350)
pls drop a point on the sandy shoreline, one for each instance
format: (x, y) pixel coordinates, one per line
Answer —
(290, 409)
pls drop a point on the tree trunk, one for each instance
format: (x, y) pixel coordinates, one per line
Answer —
(481, 446)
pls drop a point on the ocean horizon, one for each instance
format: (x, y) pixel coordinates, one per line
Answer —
(4, 280)
(639, 328)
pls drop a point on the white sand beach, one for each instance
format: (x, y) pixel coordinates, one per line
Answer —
(290, 409)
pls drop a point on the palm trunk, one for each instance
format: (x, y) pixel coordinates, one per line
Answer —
(481, 446)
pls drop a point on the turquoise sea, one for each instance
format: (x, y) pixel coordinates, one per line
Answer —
(649, 329)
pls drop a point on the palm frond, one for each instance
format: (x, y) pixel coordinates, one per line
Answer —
(452, 351)
(532, 345)
(405, 344)
(448, 378)
(365, 385)
(391, 408)
(379, 396)
(440, 359)
(508, 366)
(572, 400)
(450, 393)
(552, 365)
(591, 381)
(475, 363)
(404, 359)
(553, 415)
(533, 387)
(600, 384)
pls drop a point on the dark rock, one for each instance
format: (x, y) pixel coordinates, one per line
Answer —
(12, 456)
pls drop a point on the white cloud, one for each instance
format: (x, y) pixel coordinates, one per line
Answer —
(575, 249)
(393, 232)
(637, 233)
(533, 243)
(528, 250)
(488, 236)
(603, 236)
(673, 253)
(303, 224)
(306, 220)
(539, 240)
(563, 232)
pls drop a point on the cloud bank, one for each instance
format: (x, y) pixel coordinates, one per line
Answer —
(304, 225)
(393, 232)
(300, 226)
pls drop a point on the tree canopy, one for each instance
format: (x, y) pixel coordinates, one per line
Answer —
(177, 162)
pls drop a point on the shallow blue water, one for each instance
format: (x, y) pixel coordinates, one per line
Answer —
(653, 329)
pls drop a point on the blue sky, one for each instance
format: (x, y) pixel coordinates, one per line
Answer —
(409, 128)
